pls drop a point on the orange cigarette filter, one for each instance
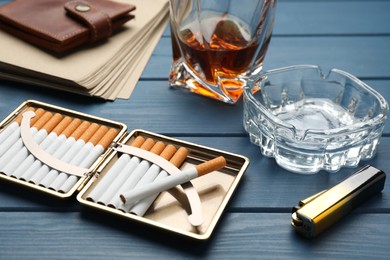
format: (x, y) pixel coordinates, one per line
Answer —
(42, 120)
(210, 166)
(138, 141)
(80, 130)
(98, 135)
(157, 148)
(89, 132)
(168, 152)
(38, 113)
(148, 144)
(179, 157)
(108, 137)
(53, 122)
(71, 127)
(59, 129)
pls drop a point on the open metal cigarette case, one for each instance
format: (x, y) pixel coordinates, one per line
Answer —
(318, 212)
(192, 209)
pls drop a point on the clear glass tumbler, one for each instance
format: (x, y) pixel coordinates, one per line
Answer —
(217, 45)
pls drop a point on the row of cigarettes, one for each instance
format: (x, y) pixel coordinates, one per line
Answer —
(132, 183)
(72, 140)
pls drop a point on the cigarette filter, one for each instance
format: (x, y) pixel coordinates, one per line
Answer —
(318, 212)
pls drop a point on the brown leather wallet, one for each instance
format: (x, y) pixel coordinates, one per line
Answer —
(61, 25)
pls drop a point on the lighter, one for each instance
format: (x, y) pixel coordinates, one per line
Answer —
(319, 211)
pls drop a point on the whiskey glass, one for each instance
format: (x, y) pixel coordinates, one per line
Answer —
(218, 45)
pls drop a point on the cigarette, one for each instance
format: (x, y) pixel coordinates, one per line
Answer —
(40, 136)
(45, 124)
(27, 163)
(143, 205)
(14, 127)
(98, 150)
(148, 177)
(12, 135)
(11, 128)
(173, 180)
(108, 178)
(25, 175)
(51, 144)
(122, 173)
(84, 131)
(138, 172)
(22, 155)
(93, 133)
(68, 148)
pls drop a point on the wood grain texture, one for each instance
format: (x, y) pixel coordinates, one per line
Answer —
(53, 235)
(300, 18)
(352, 35)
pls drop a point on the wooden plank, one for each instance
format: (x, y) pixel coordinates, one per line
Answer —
(330, 18)
(265, 186)
(239, 235)
(153, 106)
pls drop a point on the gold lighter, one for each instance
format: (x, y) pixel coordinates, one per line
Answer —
(319, 211)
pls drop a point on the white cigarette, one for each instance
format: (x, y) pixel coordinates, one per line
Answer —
(171, 181)
(52, 174)
(120, 173)
(70, 147)
(143, 205)
(13, 127)
(44, 170)
(13, 149)
(43, 133)
(38, 121)
(74, 131)
(24, 166)
(148, 177)
(11, 133)
(98, 150)
(52, 143)
(121, 177)
(45, 144)
(12, 139)
(71, 155)
(62, 177)
(136, 174)
(48, 122)
(86, 163)
(101, 187)
(80, 156)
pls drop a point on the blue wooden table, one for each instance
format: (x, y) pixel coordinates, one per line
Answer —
(352, 35)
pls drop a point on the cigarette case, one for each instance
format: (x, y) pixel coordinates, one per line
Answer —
(318, 212)
(191, 209)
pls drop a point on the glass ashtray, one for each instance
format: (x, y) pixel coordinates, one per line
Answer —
(309, 121)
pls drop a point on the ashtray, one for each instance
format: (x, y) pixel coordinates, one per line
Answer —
(309, 121)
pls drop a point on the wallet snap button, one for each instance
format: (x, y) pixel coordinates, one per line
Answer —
(82, 8)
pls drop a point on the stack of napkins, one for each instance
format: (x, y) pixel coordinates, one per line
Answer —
(108, 70)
